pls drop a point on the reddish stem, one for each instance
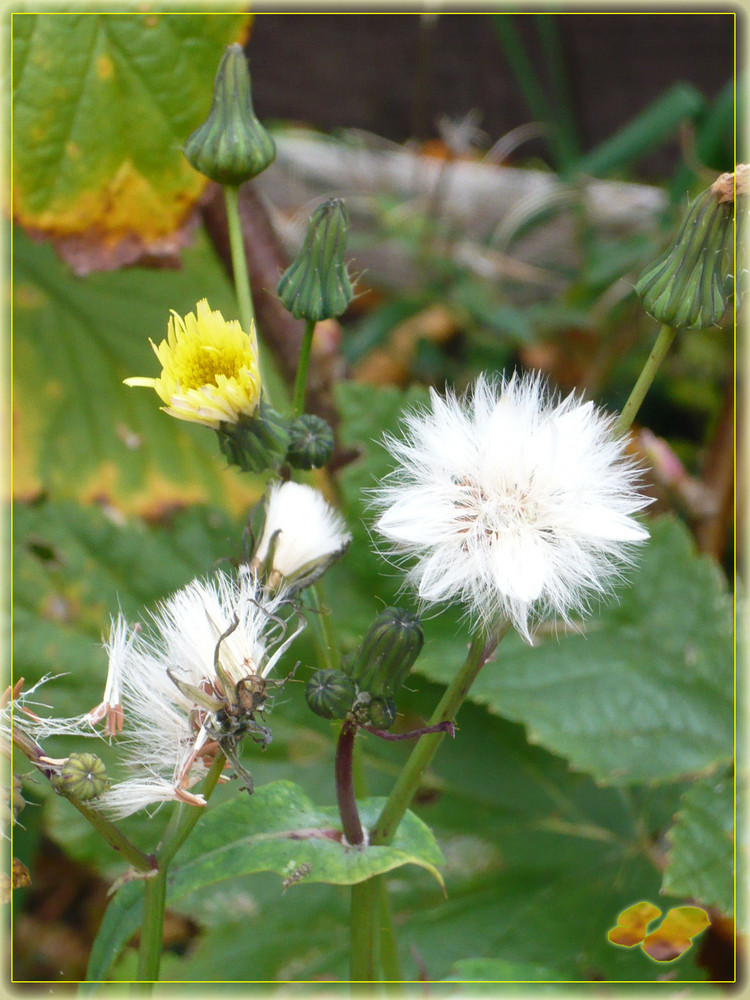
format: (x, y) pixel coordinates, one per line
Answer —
(345, 784)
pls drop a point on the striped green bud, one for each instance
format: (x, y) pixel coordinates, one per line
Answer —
(310, 442)
(387, 653)
(82, 777)
(231, 146)
(256, 443)
(316, 285)
(330, 694)
(689, 286)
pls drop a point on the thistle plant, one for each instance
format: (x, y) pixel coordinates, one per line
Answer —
(518, 505)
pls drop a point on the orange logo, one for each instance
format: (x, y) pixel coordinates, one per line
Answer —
(670, 940)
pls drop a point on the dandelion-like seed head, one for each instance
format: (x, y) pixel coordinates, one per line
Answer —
(210, 372)
(302, 535)
(190, 684)
(511, 501)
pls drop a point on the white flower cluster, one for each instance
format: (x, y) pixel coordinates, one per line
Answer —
(182, 688)
(514, 502)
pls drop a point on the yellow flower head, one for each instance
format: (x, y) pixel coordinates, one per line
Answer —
(210, 371)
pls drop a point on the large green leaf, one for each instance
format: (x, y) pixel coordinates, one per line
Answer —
(278, 830)
(701, 856)
(78, 431)
(102, 105)
(643, 694)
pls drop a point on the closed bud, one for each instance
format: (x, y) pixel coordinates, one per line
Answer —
(330, 694)
(317, 286)
(255, 443)
(382, 713)
(310, 442)
(688, 287)
(231, 146)
(387, 653)
(82, 777)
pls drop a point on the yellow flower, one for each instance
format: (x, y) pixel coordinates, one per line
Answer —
(210, 372)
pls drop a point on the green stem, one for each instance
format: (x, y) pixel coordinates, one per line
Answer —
(184, 819)
(155, 892)
(363, 942)
(300, 383)
(482, 646)
(274, 387)
(389, 958)
(239, 262)
(641, 387)
(152, 930)
(327, 644)
(115, 838)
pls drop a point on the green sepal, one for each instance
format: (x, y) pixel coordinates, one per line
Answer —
(310, 442)
(687, 287)
(330, 694)
(316, 285)
(387, 653)
(257, 443)
(231, 146)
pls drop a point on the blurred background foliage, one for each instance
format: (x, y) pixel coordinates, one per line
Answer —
(507, 183)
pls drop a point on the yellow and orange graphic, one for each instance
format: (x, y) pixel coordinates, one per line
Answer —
(672, 938)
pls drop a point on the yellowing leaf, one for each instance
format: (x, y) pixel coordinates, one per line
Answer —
(676, 933)
(102, 105)
(632, 924)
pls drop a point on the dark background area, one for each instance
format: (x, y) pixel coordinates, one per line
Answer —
(363, 71)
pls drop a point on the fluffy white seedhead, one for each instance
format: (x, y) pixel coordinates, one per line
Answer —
(164, 682)
(512, 502)
(302, 535)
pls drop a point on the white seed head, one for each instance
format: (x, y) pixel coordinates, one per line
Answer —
(513, 502)
(302, 535)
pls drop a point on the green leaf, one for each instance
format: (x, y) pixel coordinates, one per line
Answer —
(647, 131)
(276, 829)
(78, 431)
(645, 694)
(491, 970)
(102, 105)
(701, 856)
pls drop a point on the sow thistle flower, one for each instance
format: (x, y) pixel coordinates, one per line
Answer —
(515, 503)
(302, 535)
(191, 685)
(210, 373)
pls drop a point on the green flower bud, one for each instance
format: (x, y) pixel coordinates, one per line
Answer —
(330, 694)
(317, 286)
(82, 777)
(687, 287)
(310, 442)
(382, 713)
(256, 443)
(231, 146)
(387, 653)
